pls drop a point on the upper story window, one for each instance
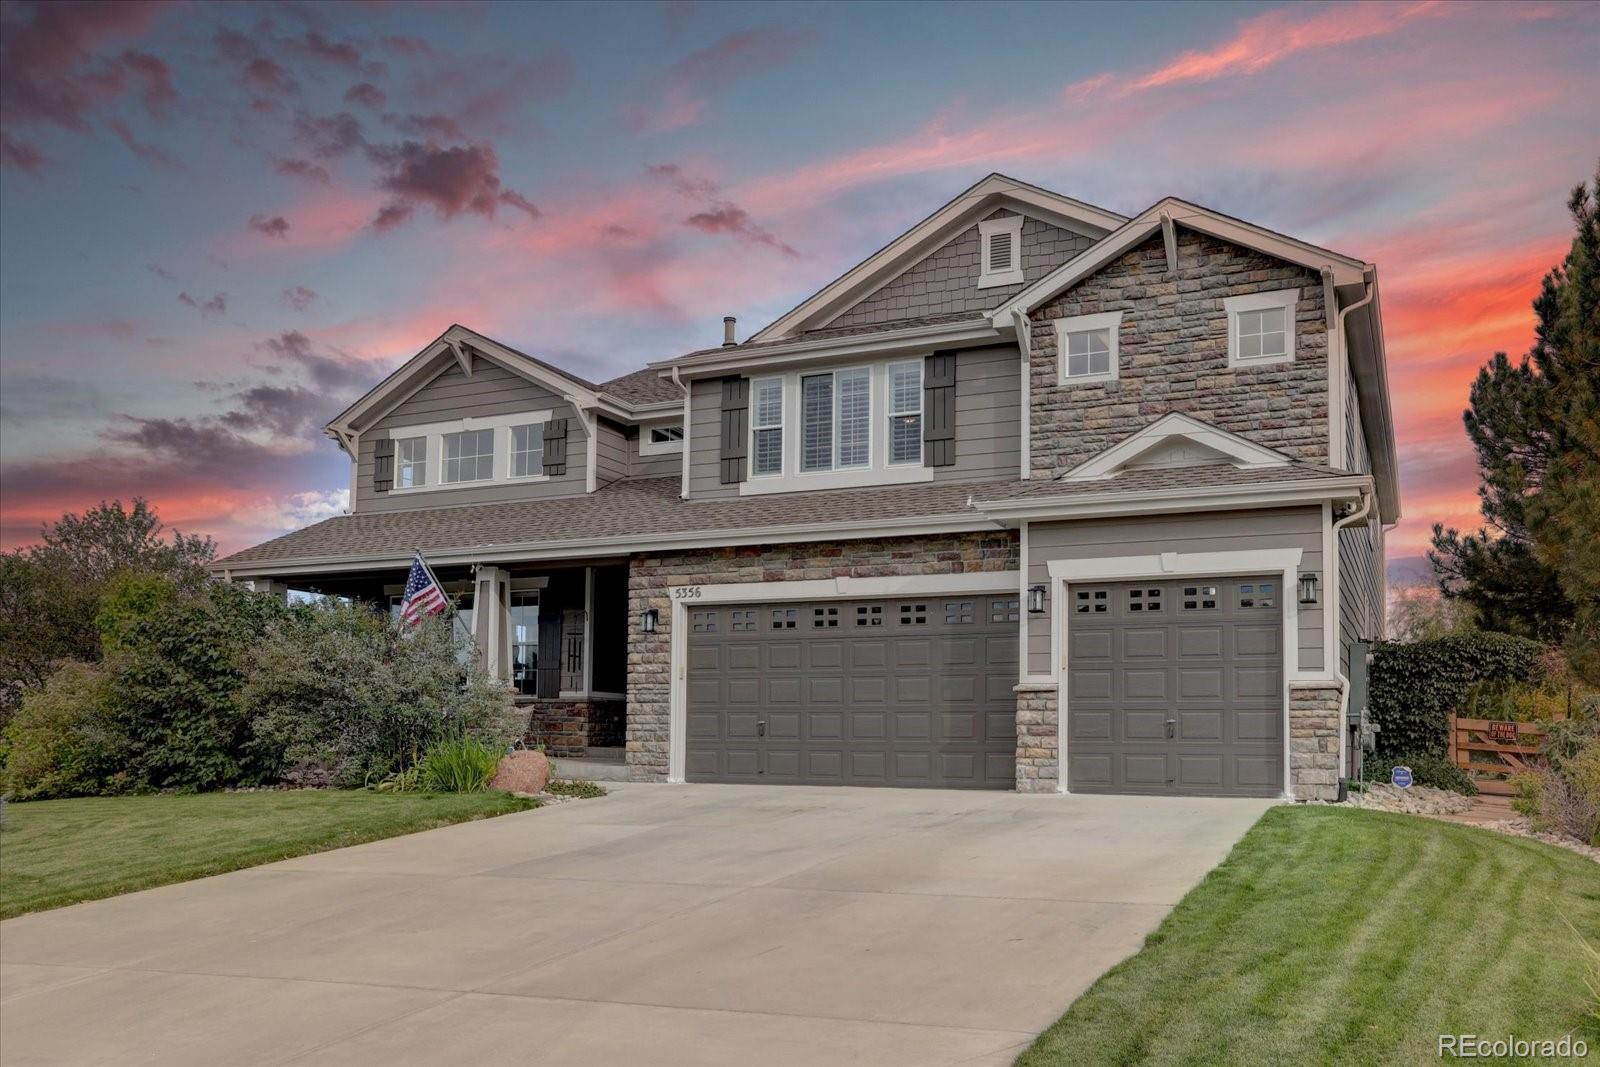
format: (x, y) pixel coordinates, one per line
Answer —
(527, 450)
(476, 449)
(836, 420)
(1086, 348)
(830, 429)
(766, 426)
(905, 412)
(1000, 252)
(1261, 327)
(468, 456)
(411, 462)
(659, 440)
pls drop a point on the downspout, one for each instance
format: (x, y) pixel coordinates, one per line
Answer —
(1334, 589)
(1024, 327)
(1336, 433)
(688, 410)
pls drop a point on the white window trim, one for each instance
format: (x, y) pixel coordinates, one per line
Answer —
(1011, 224)
(686, 597)
(792, 479)
(890, 414)
(1111, 322)
(435, 432)
(398, 465)
(781, 427)
(648, 447)
(1288, 299)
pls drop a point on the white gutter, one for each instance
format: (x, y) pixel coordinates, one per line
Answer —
(979, 328)
(591, 547)
(1024, 328)
(1340, 368)
(1081, 505)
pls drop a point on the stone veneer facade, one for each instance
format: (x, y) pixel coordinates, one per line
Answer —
(1174, 355)
(1038, 726)
(572, 727)
(1314, 740)
(651, 575)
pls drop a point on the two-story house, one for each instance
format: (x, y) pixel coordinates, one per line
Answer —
(1035, 497)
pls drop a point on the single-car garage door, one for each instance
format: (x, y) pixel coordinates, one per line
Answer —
(1176, 687)
(883, 692)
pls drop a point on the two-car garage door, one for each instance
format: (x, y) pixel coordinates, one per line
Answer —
(841, 692)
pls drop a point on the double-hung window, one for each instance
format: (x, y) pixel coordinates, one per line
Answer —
(468, 456)
(1086, 348)
(905, 412)
(527, 450)
(1261, 327)
(766, 423)
(836, 420)
(411, 463)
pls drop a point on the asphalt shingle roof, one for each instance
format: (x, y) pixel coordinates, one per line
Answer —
(651, 507)
(644, 386)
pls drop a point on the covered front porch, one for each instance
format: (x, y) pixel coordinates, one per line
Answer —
(554, 632)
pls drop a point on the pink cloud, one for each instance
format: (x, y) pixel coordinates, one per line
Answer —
(679, 96)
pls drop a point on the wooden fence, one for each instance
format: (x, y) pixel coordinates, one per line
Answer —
(1490, 750)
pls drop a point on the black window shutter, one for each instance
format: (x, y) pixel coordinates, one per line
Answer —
(735, 424)
(555, 447)
(939, 410)
(382, 465)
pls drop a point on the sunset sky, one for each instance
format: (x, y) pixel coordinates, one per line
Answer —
(219, 224)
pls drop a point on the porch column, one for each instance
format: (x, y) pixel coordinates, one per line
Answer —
(491, 600)
(276, 589)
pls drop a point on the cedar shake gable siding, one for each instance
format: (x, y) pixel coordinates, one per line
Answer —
(1174, 356)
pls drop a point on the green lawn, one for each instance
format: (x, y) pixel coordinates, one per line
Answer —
(1348, 937)
(56, 852)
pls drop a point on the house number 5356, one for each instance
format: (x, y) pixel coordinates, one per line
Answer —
(686, 592)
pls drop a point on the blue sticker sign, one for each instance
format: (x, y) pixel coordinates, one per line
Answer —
(1401, 777)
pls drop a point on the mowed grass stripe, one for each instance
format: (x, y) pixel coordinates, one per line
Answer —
(1347, 937)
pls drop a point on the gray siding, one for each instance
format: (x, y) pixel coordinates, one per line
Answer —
(670, 463)
(611, 455)
(705, 446)
(988, 422)
(1361, 606)
(988, 415)
(1227, 531)
(491, 390)
(946, 280)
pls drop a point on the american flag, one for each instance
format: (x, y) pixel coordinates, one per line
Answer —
(423, 597)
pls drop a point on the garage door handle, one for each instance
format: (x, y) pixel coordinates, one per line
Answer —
(761, 728)
(1172, 728)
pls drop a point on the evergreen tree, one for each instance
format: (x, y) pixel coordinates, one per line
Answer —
(1535, 569)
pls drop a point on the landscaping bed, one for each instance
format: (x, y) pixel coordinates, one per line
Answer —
(1332, 935)
(58, 852)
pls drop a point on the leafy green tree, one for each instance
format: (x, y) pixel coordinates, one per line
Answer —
(1534, 569)
(50, 593)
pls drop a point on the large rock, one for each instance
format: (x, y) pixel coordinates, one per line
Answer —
(523, 771)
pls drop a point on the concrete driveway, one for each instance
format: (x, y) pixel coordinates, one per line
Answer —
(659, 925)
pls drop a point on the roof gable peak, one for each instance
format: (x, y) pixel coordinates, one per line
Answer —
(1177, 440)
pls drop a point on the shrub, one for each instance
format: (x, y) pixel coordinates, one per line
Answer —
(63, 740)
(1564, 795)
(1414, 687)
(460, 765)
(561, 787)
(339, 687)
(179, 679)
(1427, 768)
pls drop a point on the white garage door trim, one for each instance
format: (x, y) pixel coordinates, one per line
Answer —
(1284, 561)
(686, 596)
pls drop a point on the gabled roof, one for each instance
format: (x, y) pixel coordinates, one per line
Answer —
(996, 190)
(1163, 434)
(625, 396)
(1172, 211)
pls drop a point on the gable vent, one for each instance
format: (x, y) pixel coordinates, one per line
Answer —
(1000, 251)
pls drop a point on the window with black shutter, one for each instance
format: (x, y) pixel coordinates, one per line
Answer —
(735, 426)
(939, 410)
(382, 465)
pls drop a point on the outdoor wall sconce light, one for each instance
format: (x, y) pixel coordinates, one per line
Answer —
(648, 619)
(1035, 600)
(1308, 588)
